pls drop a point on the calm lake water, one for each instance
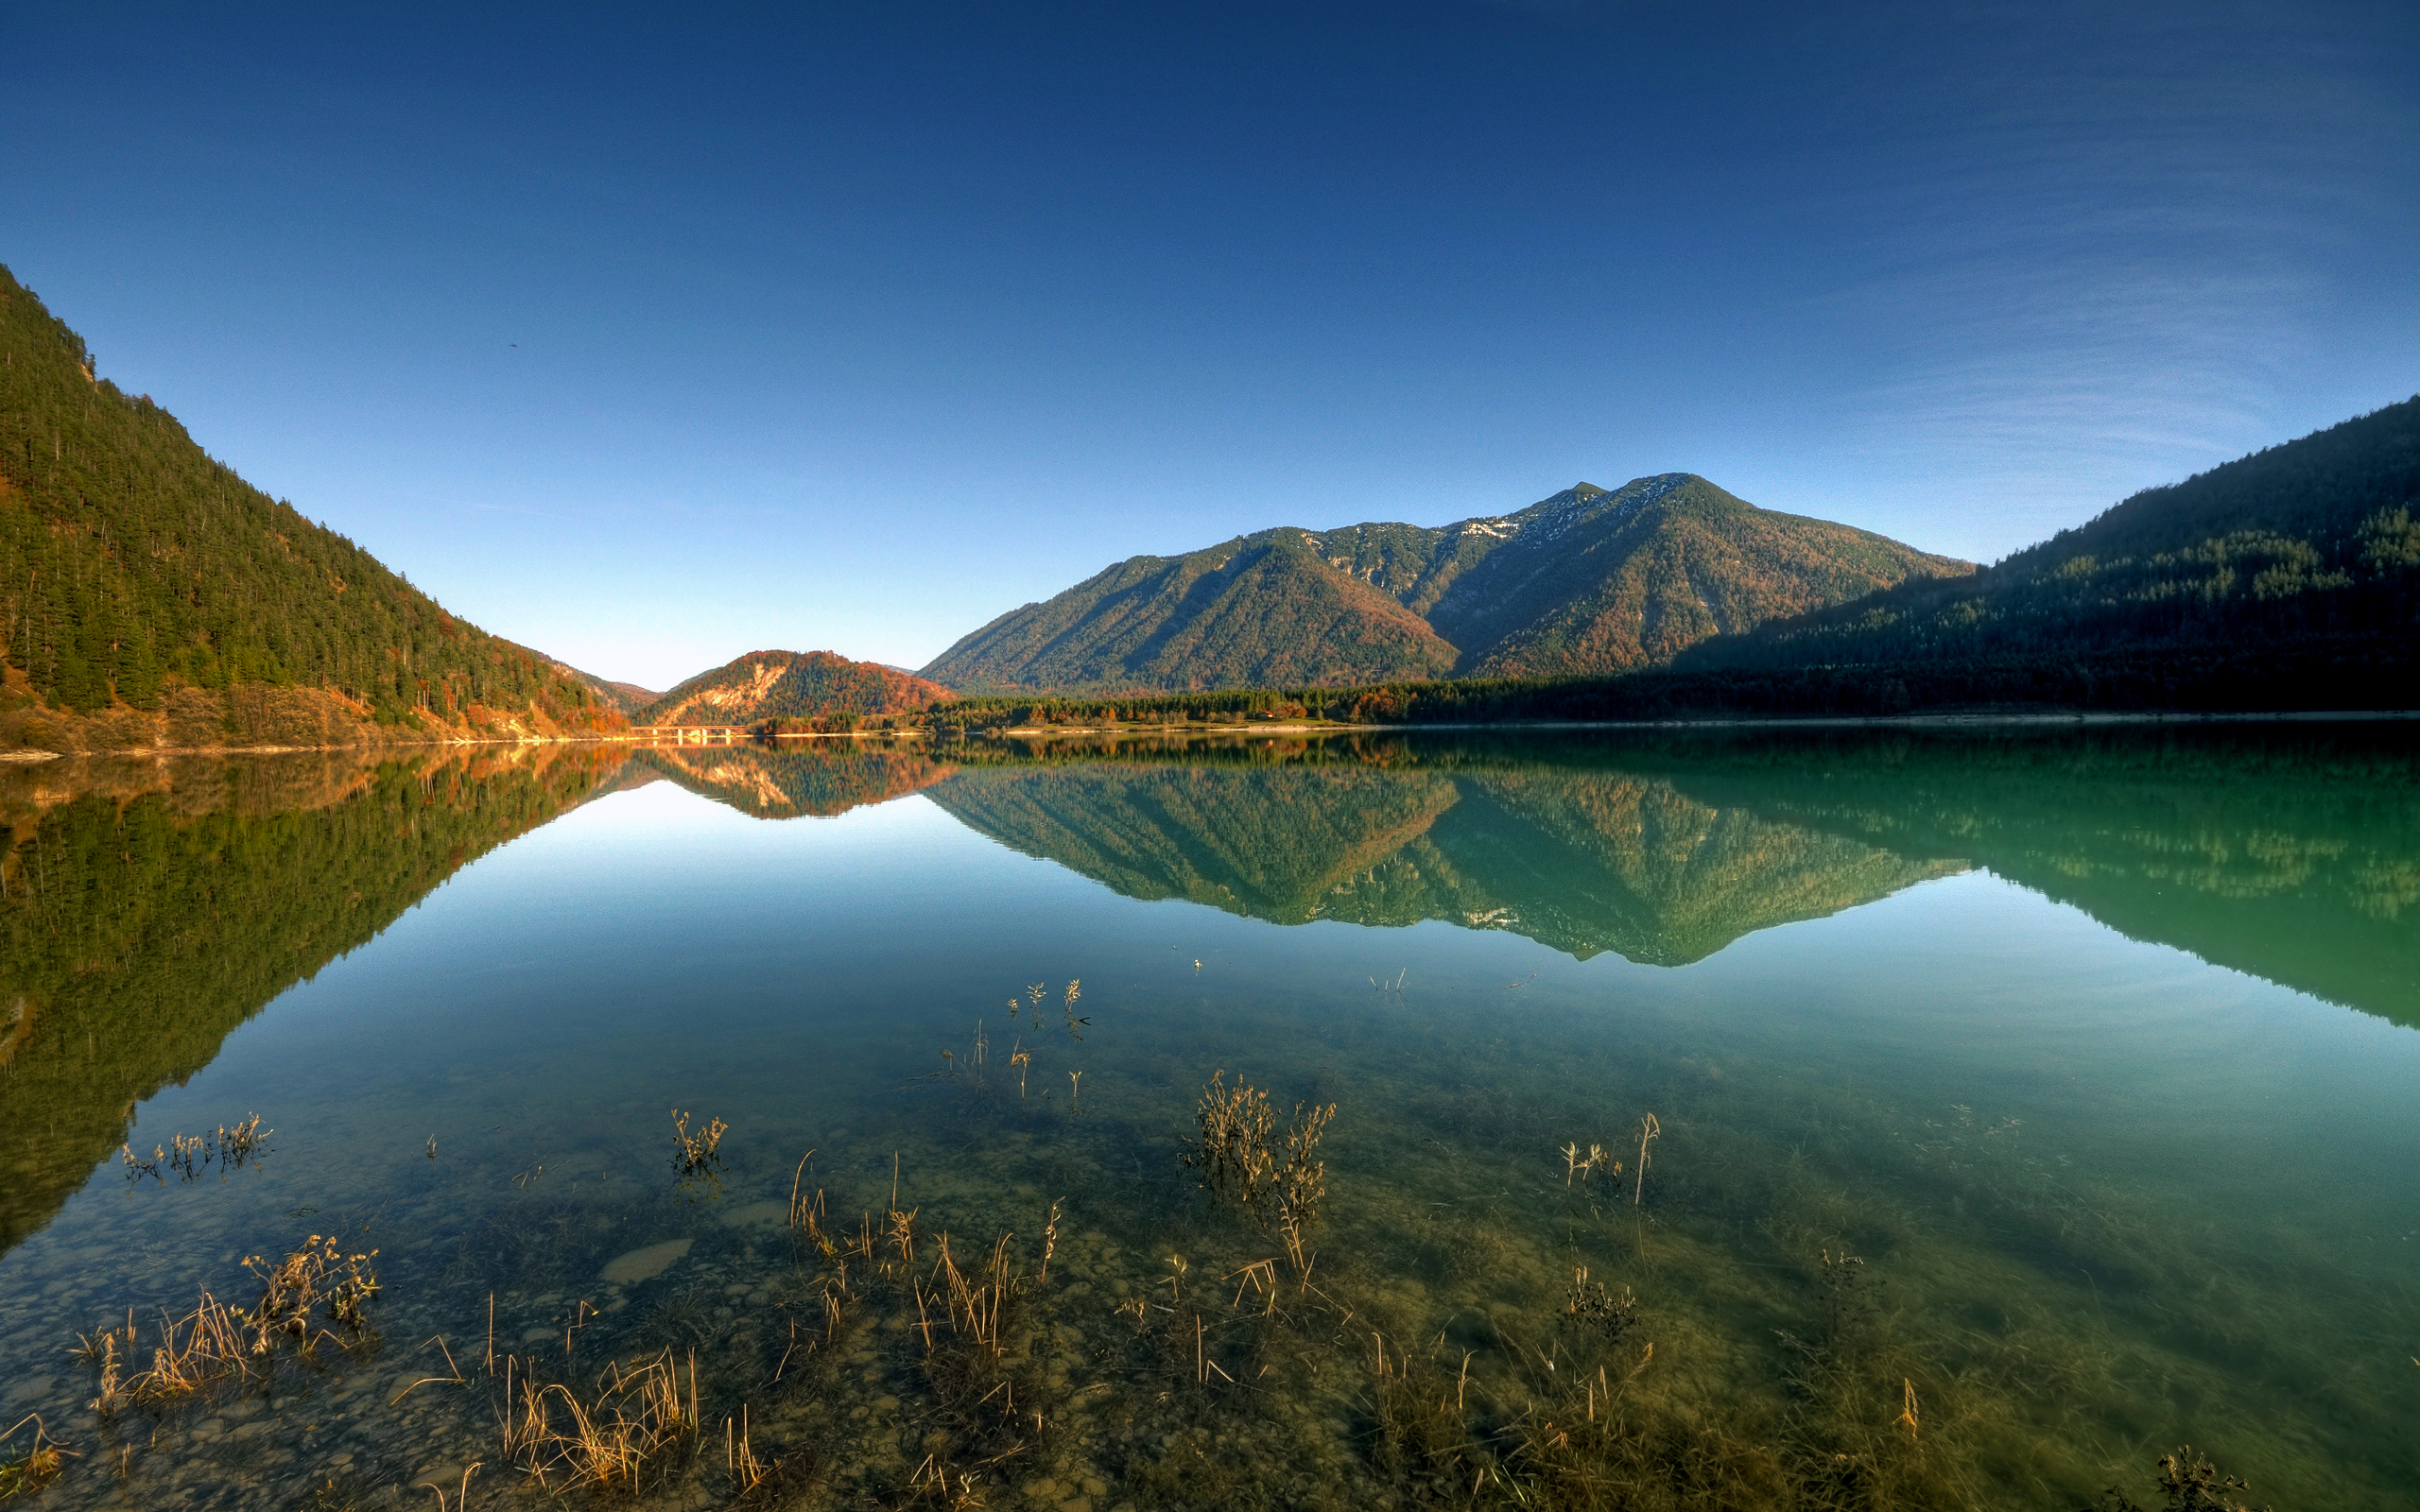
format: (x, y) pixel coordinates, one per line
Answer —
(2015, 1107)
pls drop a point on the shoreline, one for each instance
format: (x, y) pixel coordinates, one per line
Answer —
(1980, 718)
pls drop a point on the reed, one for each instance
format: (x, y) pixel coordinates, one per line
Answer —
(748, 1474)
(1648, 1130)
(461, 1502)
(637, 1414)
(1579, 1167)
(230, 1146)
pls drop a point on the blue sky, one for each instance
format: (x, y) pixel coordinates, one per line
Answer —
(649, 339)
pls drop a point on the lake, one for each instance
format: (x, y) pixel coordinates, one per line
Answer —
(1876, 1118)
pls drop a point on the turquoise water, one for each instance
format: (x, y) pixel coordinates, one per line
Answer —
(2095, 1051)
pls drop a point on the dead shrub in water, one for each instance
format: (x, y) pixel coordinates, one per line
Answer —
(699, 1152)
(1238, 1166)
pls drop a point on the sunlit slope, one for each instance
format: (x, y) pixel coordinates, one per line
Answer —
(2312, 541)
(151, 908)
(806, 689)
(1585, 582)
(149, 595)
(1583, 862)
(1263, 611)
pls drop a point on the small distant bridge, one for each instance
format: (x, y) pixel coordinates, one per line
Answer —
(687, 734)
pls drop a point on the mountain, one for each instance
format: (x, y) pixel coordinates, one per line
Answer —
(1265, 610)
(1587, 582)
(2315, 543)
(149, 596)
(819, 690)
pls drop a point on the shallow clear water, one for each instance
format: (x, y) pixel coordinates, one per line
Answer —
(2096, 1051)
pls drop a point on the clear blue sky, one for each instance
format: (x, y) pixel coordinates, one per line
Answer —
(650, 340)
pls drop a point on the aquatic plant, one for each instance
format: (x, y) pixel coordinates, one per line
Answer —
(2189, 1483)
(697, 1153)
(229, 1147)
(1648, 1130)
(40, 1462)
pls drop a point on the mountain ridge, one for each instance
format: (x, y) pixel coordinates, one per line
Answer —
(1586, 581)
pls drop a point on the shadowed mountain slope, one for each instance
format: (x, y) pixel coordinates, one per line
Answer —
(1585, 582)
(2314, 539)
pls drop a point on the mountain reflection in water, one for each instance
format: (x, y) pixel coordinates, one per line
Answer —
(148, 908)
(2290, 853)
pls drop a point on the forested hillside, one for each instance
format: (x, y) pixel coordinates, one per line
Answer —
(1259, 611)
(792, 691)
(149, 595)
(1585, 583)
(2310, 549)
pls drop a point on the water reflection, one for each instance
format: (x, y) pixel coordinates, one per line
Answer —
(148, 908)
(2289, 854)
(2035, 1150)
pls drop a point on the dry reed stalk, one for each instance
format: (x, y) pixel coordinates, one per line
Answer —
(797, 1211)
(747, 1471)
(453, 1379)
(461, 1502)
(1648, 1130)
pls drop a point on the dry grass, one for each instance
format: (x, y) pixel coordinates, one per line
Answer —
(316, 1294)
(637, 1414)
